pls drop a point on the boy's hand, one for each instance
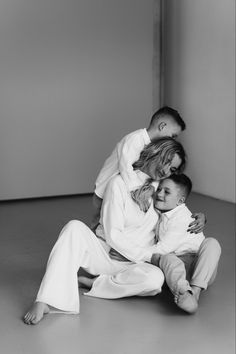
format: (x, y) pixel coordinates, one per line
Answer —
(155, 259)
(198, 224)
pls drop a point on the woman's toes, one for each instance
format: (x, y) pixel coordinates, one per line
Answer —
(36, 313)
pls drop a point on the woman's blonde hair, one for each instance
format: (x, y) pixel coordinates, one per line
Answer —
(161, 153)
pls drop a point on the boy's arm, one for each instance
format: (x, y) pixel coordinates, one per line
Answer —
(128, 153)
(174, 236)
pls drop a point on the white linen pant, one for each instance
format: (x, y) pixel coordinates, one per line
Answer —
(76, 247)
(192, 269)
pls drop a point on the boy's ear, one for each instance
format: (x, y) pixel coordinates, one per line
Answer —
(181, 201)
(161, 125)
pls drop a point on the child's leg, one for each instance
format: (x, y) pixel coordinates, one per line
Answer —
(206, 264)
(175, 275)
(204, 267)
(97, 205)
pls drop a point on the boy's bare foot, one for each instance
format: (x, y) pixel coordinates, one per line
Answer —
(36, 313)
(196, 291)
(85, 281)
(186, 302)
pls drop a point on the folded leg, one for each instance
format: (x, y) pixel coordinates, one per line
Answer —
(175, 273)
(206, 264)
(136, 279)
(176, 279)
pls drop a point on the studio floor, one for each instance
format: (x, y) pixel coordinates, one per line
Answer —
(134, 325)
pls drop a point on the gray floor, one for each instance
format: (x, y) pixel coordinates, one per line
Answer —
(132, 325)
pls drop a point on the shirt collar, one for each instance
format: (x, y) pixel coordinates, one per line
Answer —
(147, 139)
(170, 213)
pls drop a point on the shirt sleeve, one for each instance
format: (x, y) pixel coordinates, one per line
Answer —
(113, 221)
(173, 237)
(128, 153)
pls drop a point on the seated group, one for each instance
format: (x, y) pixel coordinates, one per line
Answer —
(142, 232)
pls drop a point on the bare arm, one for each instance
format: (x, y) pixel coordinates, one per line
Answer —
(198, 224)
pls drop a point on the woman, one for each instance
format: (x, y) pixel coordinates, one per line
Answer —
(124, 230)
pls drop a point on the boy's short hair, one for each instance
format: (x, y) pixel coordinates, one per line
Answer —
(183, 182)
(167, 111)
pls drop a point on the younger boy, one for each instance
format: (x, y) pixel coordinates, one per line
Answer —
(188, 261)
(166, 122)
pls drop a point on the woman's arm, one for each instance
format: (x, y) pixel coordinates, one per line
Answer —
(114, 223)
(198, 224)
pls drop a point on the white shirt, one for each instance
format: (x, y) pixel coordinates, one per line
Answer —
(123, 225)
(173, 235)
(126, 152)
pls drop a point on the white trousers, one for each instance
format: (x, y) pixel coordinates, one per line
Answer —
(77, 246)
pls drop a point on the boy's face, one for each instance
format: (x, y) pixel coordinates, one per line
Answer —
(168, 196)
(169, 128)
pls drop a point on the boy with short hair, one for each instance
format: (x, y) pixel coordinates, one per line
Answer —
(188, 261)
(166, 122)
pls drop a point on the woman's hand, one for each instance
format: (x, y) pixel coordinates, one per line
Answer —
(198, 224)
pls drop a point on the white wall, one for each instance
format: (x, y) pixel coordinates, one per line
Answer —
(75, 76)
(199, 57)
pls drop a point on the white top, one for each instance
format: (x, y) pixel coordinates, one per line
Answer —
(173, 235)
(126, 152)
(132, 232)
(123, 225)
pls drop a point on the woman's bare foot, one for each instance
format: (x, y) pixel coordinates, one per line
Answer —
(36, 313)
(85, 281)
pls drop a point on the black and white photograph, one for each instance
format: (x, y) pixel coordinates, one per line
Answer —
(117, 177)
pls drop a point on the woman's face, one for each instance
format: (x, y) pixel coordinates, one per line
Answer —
(159, 172)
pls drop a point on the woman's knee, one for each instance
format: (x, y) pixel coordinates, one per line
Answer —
(77, 225)
(74, 224)
(75, 230)
(155, 279)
